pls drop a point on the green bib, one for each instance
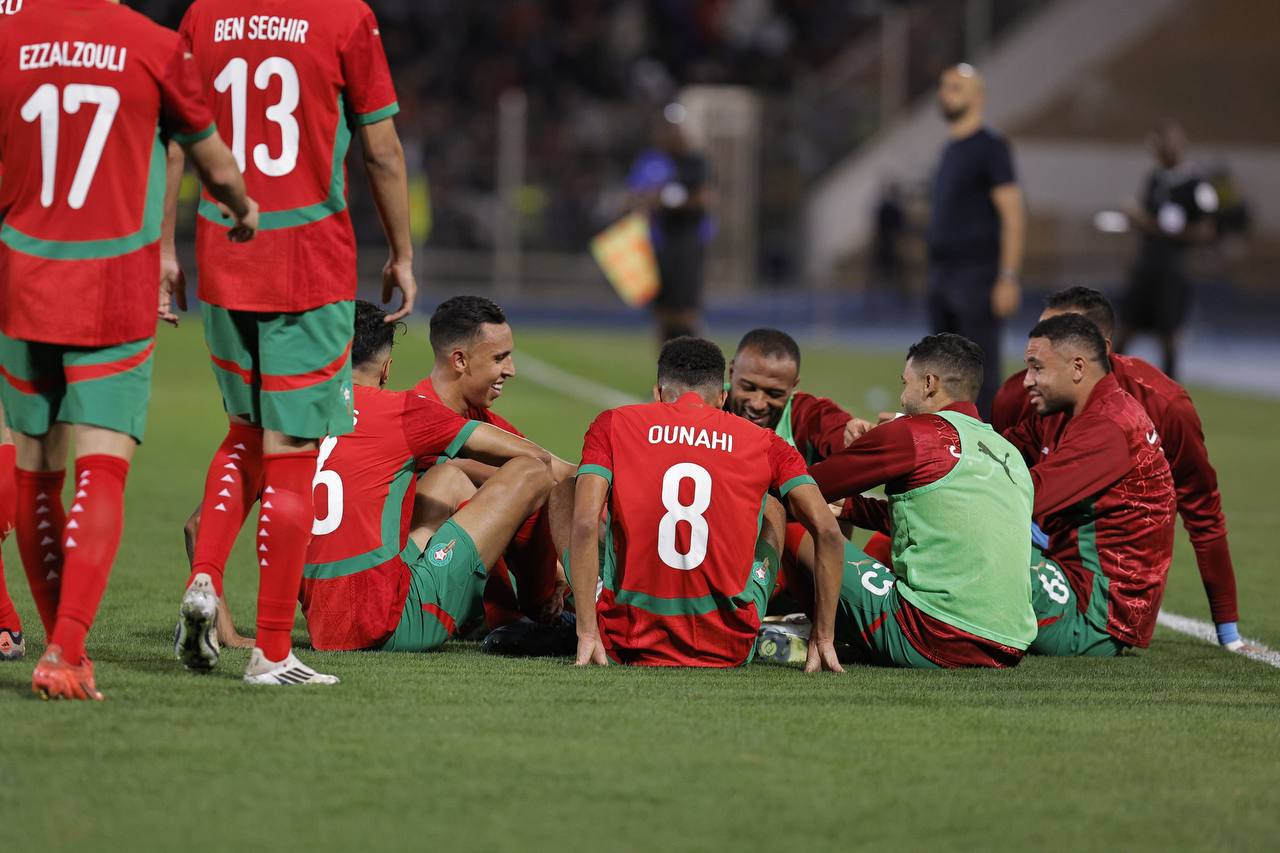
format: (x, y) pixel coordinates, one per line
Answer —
(962, 544)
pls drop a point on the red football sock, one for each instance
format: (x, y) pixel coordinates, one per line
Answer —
(8, 495)
(532, 558)
(230, 490)
(39, 519)
(89, 545)
(500, 604)
(284, 531)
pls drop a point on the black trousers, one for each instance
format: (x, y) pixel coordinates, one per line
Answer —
(960, 302)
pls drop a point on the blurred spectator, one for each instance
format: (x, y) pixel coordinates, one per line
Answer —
(887, 266)
(1176, 211)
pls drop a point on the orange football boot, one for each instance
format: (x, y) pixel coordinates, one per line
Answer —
(54, 678)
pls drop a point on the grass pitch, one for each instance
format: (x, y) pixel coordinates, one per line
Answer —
(1172, 748)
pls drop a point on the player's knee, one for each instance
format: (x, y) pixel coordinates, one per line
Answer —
(447, 483)
(531, 473)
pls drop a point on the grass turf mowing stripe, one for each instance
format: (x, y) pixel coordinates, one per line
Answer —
(1201, 630)
(589, 391)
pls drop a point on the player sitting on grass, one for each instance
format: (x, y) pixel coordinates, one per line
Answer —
(1103, 494)
(382, 573)
(472, 346)
(690, 552)
(1181, 436)
(958, 511)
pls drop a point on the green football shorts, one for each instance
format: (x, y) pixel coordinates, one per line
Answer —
(104, 387)
(1066, 631)
(446, 585)
(867, 629)
(285, 372)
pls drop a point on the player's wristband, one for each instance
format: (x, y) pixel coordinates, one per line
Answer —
(1038, 537)
(1229, 633)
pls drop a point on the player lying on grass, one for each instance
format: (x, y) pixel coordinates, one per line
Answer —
(84, 157)
(472, 346)
(384, 572)
(278, 316)
(1103, 495)
(959, 514)
(1182, 438)
(689, 554)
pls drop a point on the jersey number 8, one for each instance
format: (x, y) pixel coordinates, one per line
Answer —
(691, 513)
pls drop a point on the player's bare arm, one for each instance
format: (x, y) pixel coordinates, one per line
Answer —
(806, 505)
(584, 567)
(219, 173)
(1007, 294)
(494, 446)
(384, 162)
(173, 283)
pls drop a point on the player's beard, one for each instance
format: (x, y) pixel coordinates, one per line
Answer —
(953, 114)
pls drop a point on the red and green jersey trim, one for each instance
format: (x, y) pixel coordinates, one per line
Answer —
(192, 138)
(335, 202)
(598, 470)
(390, 547)
(94, 250)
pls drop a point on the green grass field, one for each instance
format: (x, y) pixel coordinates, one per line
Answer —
(1174, 748)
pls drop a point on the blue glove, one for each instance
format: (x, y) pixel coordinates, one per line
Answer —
(1228, 633)
(1040, 539)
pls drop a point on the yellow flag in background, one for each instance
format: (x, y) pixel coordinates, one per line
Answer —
(625, 253)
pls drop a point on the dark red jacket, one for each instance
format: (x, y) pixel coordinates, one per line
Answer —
(1194, 480)
(1104, 496)
(817, 426)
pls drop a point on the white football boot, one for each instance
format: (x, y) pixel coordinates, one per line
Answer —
(285, 672)
(195, 641)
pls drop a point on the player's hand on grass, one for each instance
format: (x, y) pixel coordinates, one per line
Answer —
(590, 651)
(398, 275)
(1006, 297)
(173, 289)
(855, 429)
(822, 657)
(243, 228)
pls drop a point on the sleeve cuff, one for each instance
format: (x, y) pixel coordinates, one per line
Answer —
(598, 470)
(802, 480)
(455, 446)
(192, 138)
(378, 115)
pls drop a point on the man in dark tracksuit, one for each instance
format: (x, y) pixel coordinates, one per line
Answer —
(976, 228)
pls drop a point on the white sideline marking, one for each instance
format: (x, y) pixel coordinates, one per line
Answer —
(1201, 630)
(589, 391)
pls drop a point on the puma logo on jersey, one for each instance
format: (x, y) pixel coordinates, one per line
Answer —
(955, 451)
(1003, 463)
(1152, 437)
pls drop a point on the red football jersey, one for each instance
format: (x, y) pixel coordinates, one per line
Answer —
(288, 79)
(1181, 435)
(88, 90)
(1104, 496)
(354, 584)
(688, 482)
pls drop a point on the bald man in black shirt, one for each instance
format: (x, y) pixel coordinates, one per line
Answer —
(976, 228)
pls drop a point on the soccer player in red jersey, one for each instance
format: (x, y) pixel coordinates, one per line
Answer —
(763, 379)
(690, 551)
(292, 81)
(1103, 495)
(1182, 437)
(382, 572)
(472, 346)
(90, 92)
(959, 512)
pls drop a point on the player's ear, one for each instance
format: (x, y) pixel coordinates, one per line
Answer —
(721, 398)
(458, 360)
(657, 393)
(385, 376)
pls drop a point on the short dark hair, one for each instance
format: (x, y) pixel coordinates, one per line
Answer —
(373, 334)
(954, 359)
(771, 343)
(1087, 301)
(694, 363)
(459, 319)
(1078, 330)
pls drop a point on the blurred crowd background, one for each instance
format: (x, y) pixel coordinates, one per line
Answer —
(833, 82)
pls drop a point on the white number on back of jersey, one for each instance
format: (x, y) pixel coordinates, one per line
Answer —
(690, 513)
(234, 77)
(43, 106)
(323, 526)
